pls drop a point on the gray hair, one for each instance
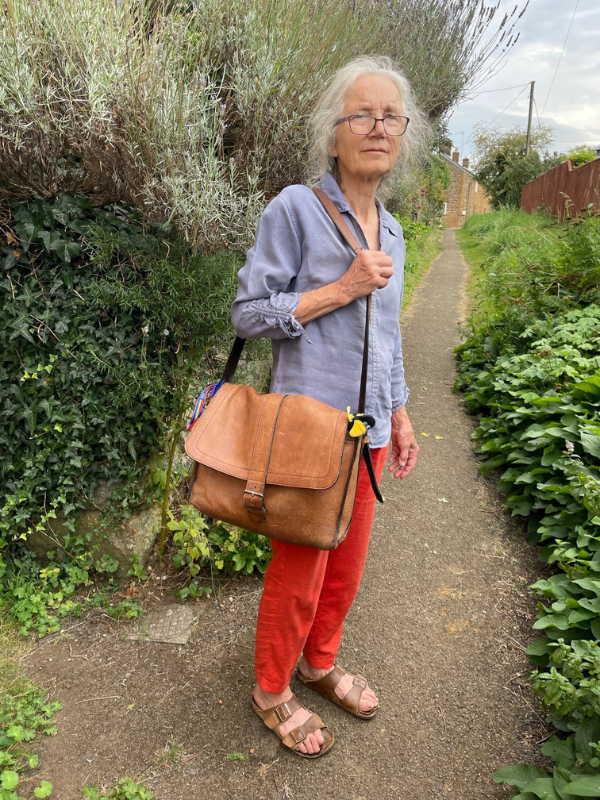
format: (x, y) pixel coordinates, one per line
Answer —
(331, 105)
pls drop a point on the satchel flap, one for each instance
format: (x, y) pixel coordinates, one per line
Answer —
(308, 439)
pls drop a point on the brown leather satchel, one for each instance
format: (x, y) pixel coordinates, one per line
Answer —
(285, 466)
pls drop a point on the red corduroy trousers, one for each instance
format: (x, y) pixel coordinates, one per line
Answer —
(308, 593)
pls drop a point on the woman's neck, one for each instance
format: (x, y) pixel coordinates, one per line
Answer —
(360, 194)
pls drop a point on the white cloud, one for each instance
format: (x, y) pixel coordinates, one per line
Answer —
(573, 105)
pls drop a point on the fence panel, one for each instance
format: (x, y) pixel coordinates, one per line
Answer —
(564, 191)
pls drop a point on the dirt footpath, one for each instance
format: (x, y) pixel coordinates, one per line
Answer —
(438, 628)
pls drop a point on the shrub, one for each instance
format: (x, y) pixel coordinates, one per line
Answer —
(104, 322)
(530, 369)
(195, 112)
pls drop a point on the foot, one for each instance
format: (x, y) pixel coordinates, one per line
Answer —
(265, 700)
(368, 699)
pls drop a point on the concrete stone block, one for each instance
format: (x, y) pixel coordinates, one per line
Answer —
(135, 536)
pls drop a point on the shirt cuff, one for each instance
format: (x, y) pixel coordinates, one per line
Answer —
(277, 311)
(402, 399)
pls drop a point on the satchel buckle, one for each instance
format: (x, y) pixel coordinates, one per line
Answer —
(251, 504)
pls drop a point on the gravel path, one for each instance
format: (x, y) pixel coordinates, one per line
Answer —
(438, 628)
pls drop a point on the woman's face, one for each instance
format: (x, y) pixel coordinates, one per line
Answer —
(373, 155)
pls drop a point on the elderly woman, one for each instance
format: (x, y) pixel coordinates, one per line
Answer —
(303, 288)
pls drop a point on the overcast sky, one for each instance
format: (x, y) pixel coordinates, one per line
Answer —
(573, 106)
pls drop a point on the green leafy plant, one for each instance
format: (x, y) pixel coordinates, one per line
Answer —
(25, 713)
(100, 339)
(530, 369)
(223, 547)
(96, 309)
(237, 757)
(125, 789)
(137, 570)
(575, 773)
(570, 690)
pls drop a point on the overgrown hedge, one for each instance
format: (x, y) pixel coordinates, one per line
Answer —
(104, 321)
(530, 369)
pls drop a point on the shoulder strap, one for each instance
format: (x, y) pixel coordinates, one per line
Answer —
(349, 237)
(347, 234)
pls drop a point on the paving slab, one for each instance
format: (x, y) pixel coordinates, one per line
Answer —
(171, 624)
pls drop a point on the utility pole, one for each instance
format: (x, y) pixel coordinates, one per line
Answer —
(528, 142)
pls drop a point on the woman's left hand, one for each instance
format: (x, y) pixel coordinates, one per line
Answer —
(405, 449)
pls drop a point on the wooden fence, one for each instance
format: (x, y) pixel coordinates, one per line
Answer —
(564, 191)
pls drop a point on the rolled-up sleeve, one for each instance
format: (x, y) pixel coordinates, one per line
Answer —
(400, 393)
(265, 302)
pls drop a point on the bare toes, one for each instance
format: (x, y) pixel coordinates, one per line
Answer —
(368, 700)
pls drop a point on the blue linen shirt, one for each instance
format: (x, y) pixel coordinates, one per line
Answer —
(298, 249)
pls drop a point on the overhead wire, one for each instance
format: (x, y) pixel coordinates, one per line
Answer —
(560, 57)
(507, 107)
(537, 115)
(506, 88)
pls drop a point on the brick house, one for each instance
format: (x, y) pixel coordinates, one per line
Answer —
(465, 196)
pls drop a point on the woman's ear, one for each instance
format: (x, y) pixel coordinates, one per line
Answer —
(332, 150)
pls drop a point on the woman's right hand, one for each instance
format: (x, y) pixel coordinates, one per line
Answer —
(370, 270)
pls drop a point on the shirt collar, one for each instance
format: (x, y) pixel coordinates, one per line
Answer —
(332, 189)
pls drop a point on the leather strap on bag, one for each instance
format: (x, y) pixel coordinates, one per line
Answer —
(254, 498)
(254, 494)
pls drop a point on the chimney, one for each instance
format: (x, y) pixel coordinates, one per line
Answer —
(466, 163)
(455, 156)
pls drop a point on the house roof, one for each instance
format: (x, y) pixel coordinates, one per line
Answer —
(456, 164)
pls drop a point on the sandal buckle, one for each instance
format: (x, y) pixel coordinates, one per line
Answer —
(283, 712)
(297, 735)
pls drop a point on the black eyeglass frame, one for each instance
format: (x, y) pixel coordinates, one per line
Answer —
(375, 121)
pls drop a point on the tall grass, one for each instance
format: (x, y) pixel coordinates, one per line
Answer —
(530, 266)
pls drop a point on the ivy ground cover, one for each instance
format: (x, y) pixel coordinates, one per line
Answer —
(530, 369)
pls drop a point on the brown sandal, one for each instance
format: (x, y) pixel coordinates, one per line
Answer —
(276, 716)
(326, 687)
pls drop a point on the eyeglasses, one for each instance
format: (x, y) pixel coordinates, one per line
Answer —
(363, 124)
